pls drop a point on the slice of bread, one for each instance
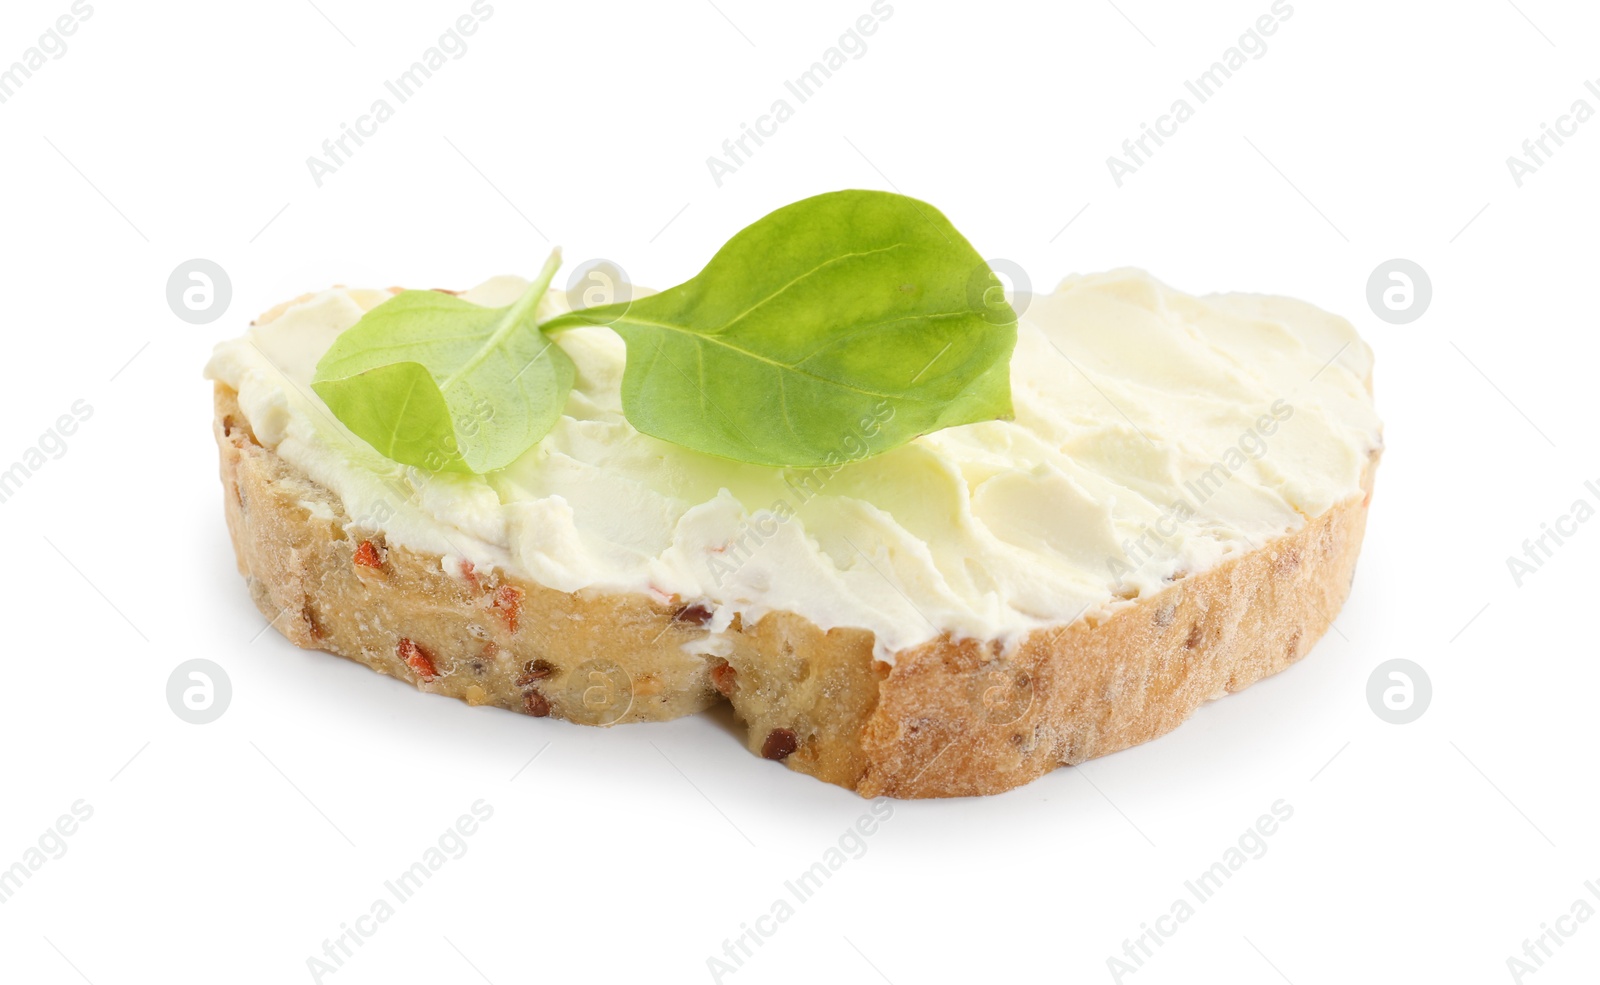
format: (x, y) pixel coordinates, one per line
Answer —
(947, 718)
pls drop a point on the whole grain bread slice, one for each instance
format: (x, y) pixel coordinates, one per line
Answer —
(948, 718)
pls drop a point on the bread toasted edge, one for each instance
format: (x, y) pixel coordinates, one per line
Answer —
(948, 718)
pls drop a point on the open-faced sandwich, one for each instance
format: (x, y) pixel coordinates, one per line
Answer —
(927, 540)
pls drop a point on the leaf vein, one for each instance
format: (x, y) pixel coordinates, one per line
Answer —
(814, 270)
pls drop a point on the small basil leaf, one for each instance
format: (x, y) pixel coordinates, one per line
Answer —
(832, 329)
(433, 381)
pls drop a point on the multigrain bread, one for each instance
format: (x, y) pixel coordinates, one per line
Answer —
(947, 718)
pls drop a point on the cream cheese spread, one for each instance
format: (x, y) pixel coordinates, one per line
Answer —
(1156, 434)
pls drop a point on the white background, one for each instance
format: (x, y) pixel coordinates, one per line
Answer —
(231, 851)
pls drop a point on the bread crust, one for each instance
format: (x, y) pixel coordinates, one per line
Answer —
(948, 718)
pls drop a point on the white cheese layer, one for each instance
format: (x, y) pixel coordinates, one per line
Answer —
(1156, 434)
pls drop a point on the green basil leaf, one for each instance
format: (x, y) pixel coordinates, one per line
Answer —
(433, 381)
(832, 329)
